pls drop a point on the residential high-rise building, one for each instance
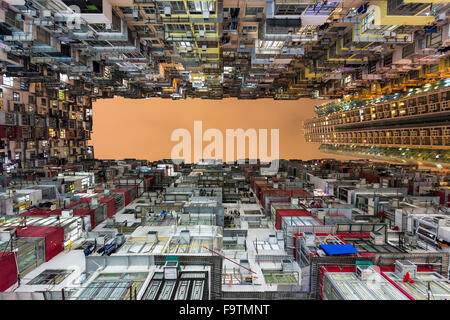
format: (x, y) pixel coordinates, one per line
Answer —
(413, 126)
(58, 56)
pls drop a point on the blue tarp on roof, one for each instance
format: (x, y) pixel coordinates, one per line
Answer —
(332, 249)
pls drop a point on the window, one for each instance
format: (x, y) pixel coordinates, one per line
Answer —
(199, 7)
(205, 27)
(422, 100)
(126, 10)
(434, 39)
(24, 85)
(367, 22)
(176, 7)
(249, 29)
(178, 27)
(149, 10)
(51, 277)
(253, 11)
(289, 9)
(8, 81)
(271, 44)
(16, 96)
(407, 50)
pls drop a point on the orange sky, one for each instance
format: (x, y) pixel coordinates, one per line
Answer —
(141, 129)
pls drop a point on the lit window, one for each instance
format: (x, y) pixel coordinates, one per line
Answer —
(8, 81)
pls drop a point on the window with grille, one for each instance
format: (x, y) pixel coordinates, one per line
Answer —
(8, 81)
(388, 60)
(24, 85)
(51, 277)
(433, 68)
(422, 100)
(407, 50)
(434, 39)
(253, 11)
(411, 102)
(249, 29)
(43, 36)
(205, 27)
(178, 27)
(176, 7)
(199, 7)
(289, 9)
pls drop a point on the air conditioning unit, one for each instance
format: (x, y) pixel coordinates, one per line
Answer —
(411, 239)
(152, 237)
(365, 273)
(67, 213)
(404, 266)
(202, 33)
(287, 265)
(135, 13)
(110, 222)
(185, 237)
(246, 264)
(309, 238)
(377, 238)
(7, 234)
(171, 270)
(167, 11)
(273, 239)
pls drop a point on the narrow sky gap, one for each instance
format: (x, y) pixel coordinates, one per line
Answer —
(128, 128)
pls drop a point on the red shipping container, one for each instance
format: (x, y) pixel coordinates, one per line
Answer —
(19, 132)
(3, 130)
(291, 213)
(126, 193)
(148, 182)
(273, 192)
(110, 206)
(128, 187)
(259, 186)
(253, 180)
(86, 200)
(53, 238)
(8, 270)
(86, 212)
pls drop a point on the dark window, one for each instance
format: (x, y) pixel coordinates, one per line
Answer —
(253, 11)
(24, 85)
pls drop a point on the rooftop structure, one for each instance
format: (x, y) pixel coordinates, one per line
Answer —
(150, 238)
